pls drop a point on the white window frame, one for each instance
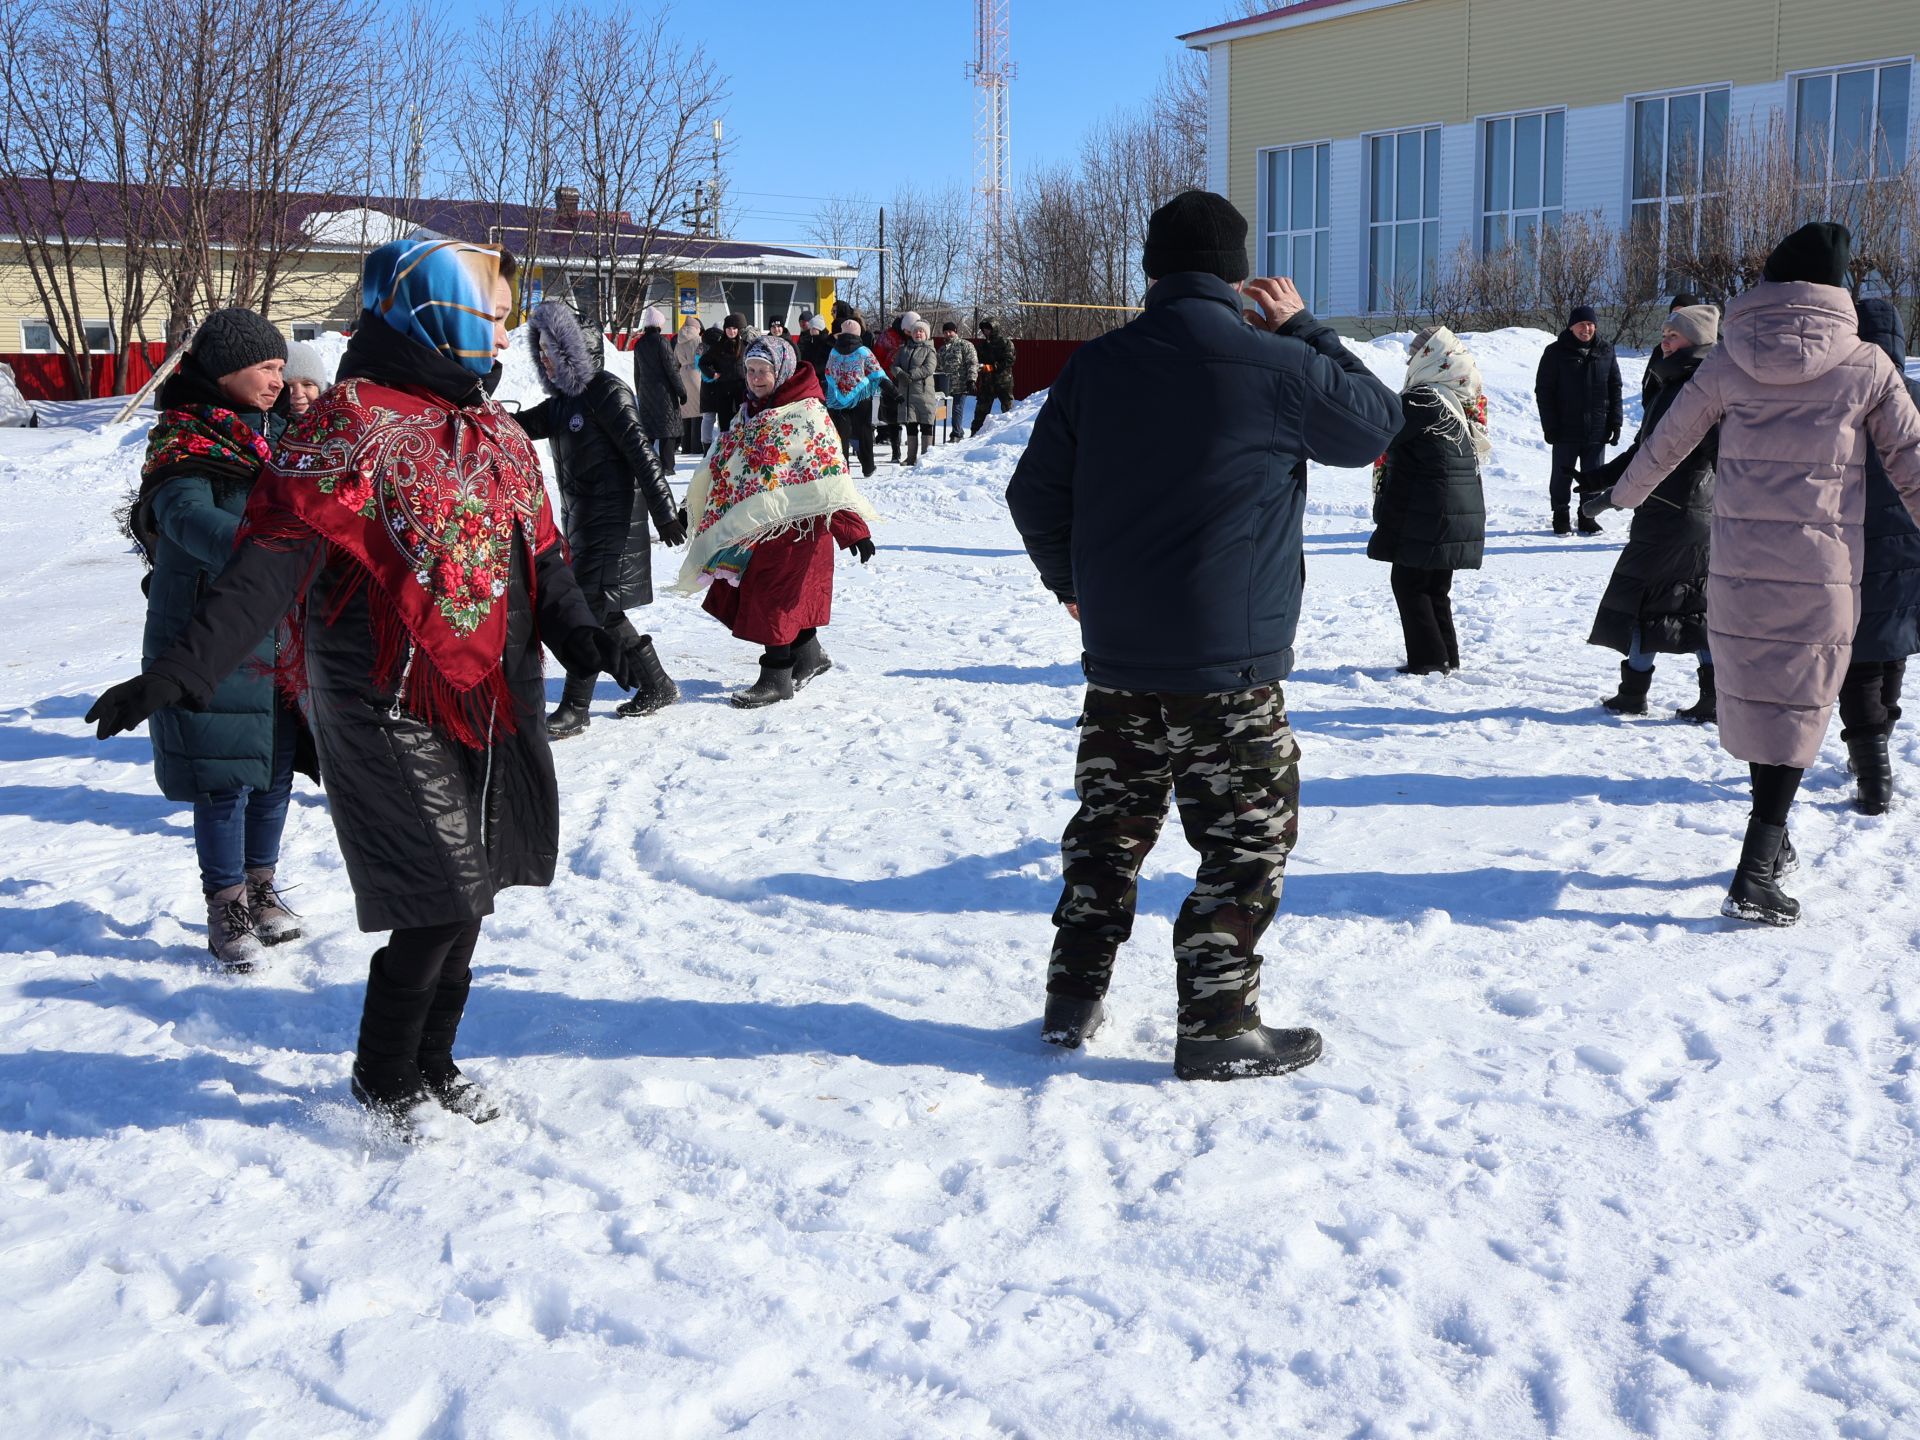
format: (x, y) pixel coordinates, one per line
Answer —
(1427, 225)
(1666, 200)
(1317, 289)
(759, 283)
(1545, 216)
(313, 328)
(51, 347)
(1827, 184)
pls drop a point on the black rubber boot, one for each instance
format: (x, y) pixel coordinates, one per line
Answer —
(1070, 1019)
(1631, 698)
(1259, 1051)
(809, 660)
(1755, 893)
(1562, 523)
(386, 1068)
(1789, 859)
(774, 685)
(1705, 710)
(441, 1076)
(1872, 767)
(570, 717)
(657, 690)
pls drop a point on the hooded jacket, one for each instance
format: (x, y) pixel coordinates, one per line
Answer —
(1797, 395)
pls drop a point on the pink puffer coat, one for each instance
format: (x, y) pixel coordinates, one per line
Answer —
(1797, 395)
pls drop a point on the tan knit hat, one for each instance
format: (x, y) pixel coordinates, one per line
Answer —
(1699, 323)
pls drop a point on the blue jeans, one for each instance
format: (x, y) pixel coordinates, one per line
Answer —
(960, 413)
(238, 830)
(1640, 660)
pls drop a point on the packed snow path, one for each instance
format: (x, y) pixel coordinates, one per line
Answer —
(785, 1155)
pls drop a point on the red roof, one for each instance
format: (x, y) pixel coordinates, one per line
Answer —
(1299, 7)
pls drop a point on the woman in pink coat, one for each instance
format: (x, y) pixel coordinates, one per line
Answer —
(1797, 395)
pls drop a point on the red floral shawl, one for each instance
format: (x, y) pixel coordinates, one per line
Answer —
(420, 498)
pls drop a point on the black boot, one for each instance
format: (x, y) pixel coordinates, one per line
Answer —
(1259, 1051)
(809, 660)
(1631, 698)
(1755, 893)
(571, 716)
(1789, 858)
(913, 445)
(1705, 710)
(657, 690)
(441, 1076)
(774, 685)
(386, 1068)
(1588, 525)
(1872, 768)
(1070, 1019)
(1562, 522)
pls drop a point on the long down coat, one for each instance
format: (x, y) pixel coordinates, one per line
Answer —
(658, 390)
(1890, 575)
(1430, 512)
(1797, 395)
(916, 370)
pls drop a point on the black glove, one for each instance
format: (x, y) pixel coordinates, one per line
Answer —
(1604, 477)
(591, 648)
(1613, 436)
(674, 531)
(863, 548)
(130, 702)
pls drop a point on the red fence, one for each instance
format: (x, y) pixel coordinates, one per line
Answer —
(45, 377)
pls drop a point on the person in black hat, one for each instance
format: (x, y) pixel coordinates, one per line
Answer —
(1184, 568)
(1578, 390)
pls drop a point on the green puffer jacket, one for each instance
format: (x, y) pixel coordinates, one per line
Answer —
(230, 743)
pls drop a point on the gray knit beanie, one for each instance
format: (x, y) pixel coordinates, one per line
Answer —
(1699, 323)
(307, 361)
(236, 339)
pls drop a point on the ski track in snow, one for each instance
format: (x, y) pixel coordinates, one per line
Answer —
(785, 1155)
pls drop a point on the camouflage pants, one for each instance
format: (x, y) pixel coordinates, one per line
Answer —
(1231, 763)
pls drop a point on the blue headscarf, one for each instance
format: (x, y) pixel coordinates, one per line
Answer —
(438, 292)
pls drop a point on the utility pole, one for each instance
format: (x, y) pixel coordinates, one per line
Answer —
(882, 317)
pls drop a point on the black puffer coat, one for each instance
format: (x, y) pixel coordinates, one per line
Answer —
(600, 453)
(657, 386)
(1890, 579)
(1429, 512)
(1660, 580)
(813, 349)
(723, 375)
(1578, 390)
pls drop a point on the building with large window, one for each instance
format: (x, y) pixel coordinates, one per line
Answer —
(1365, 140)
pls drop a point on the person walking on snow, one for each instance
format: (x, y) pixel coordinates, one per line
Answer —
(1798, 395)
(994, 354)
(408, 518)
(767, 508)
(1184, 568)
(1656, 602)
(609, 482)
(959, 373)
(232, 756)
(915, 374)
(1430, 517)
(852, 377)
(657, 388)
(1577, 387)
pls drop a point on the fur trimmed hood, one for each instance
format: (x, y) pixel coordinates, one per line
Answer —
(576, 350)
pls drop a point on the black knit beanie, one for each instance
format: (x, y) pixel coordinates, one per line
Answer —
(1582, 314)
(1197, 230)
(236, 339)
(1820, 253)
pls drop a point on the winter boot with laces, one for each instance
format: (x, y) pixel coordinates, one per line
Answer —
(230, 936)
(386, 1067)
(443, 1078)
(809, 660)
(774, 685)
(1631, 698)
(1070, 1019)
(657, 690)
(1755, 893)
(1872, 766)
(273, 922)
(1705, 710)
(1259, 1051)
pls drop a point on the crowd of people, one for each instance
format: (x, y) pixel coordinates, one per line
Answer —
(352, 575)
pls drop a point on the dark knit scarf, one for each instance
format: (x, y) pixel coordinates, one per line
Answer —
(418, 494)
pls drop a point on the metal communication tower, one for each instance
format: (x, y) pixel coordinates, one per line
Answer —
(992, 75)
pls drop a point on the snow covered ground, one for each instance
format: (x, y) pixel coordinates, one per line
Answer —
(786, 1157)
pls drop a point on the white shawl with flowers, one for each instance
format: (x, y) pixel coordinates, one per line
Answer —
(1445, 364)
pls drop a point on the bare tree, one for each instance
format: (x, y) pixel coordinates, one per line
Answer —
(846, 226)
(928, 235)
(515, 98)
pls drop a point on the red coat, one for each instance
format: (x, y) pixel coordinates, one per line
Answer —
(787, 586)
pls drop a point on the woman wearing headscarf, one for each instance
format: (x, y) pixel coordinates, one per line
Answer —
(766, 510)
(1430, 518)
(407, 518)
(1656, 602)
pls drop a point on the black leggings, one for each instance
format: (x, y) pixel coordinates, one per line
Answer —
(1774, 787)
(425, 955)
(1426, 617)
(780, 657)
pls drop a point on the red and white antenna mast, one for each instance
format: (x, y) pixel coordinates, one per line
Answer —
(992, 75)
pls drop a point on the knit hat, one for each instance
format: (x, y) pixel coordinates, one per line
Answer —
(777, 353)
(1197, 230)
(1582, 314)
(737, 322)
(307, 361)
(1820, 253)
(1413, 345)
(1682, 301)
(908, 321)
(236, 339)
(653, 318)
(1699, 323)
(816, 323)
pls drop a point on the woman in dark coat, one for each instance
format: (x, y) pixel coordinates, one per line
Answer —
(408, 515)
(1430, 518)
(1656, 602)
(723, 384)
(233, 758)
(601, 454)
(657, 387)
(1889, 601)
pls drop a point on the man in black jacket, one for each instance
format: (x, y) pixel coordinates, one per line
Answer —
(1578, 390)
(1184, 568)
